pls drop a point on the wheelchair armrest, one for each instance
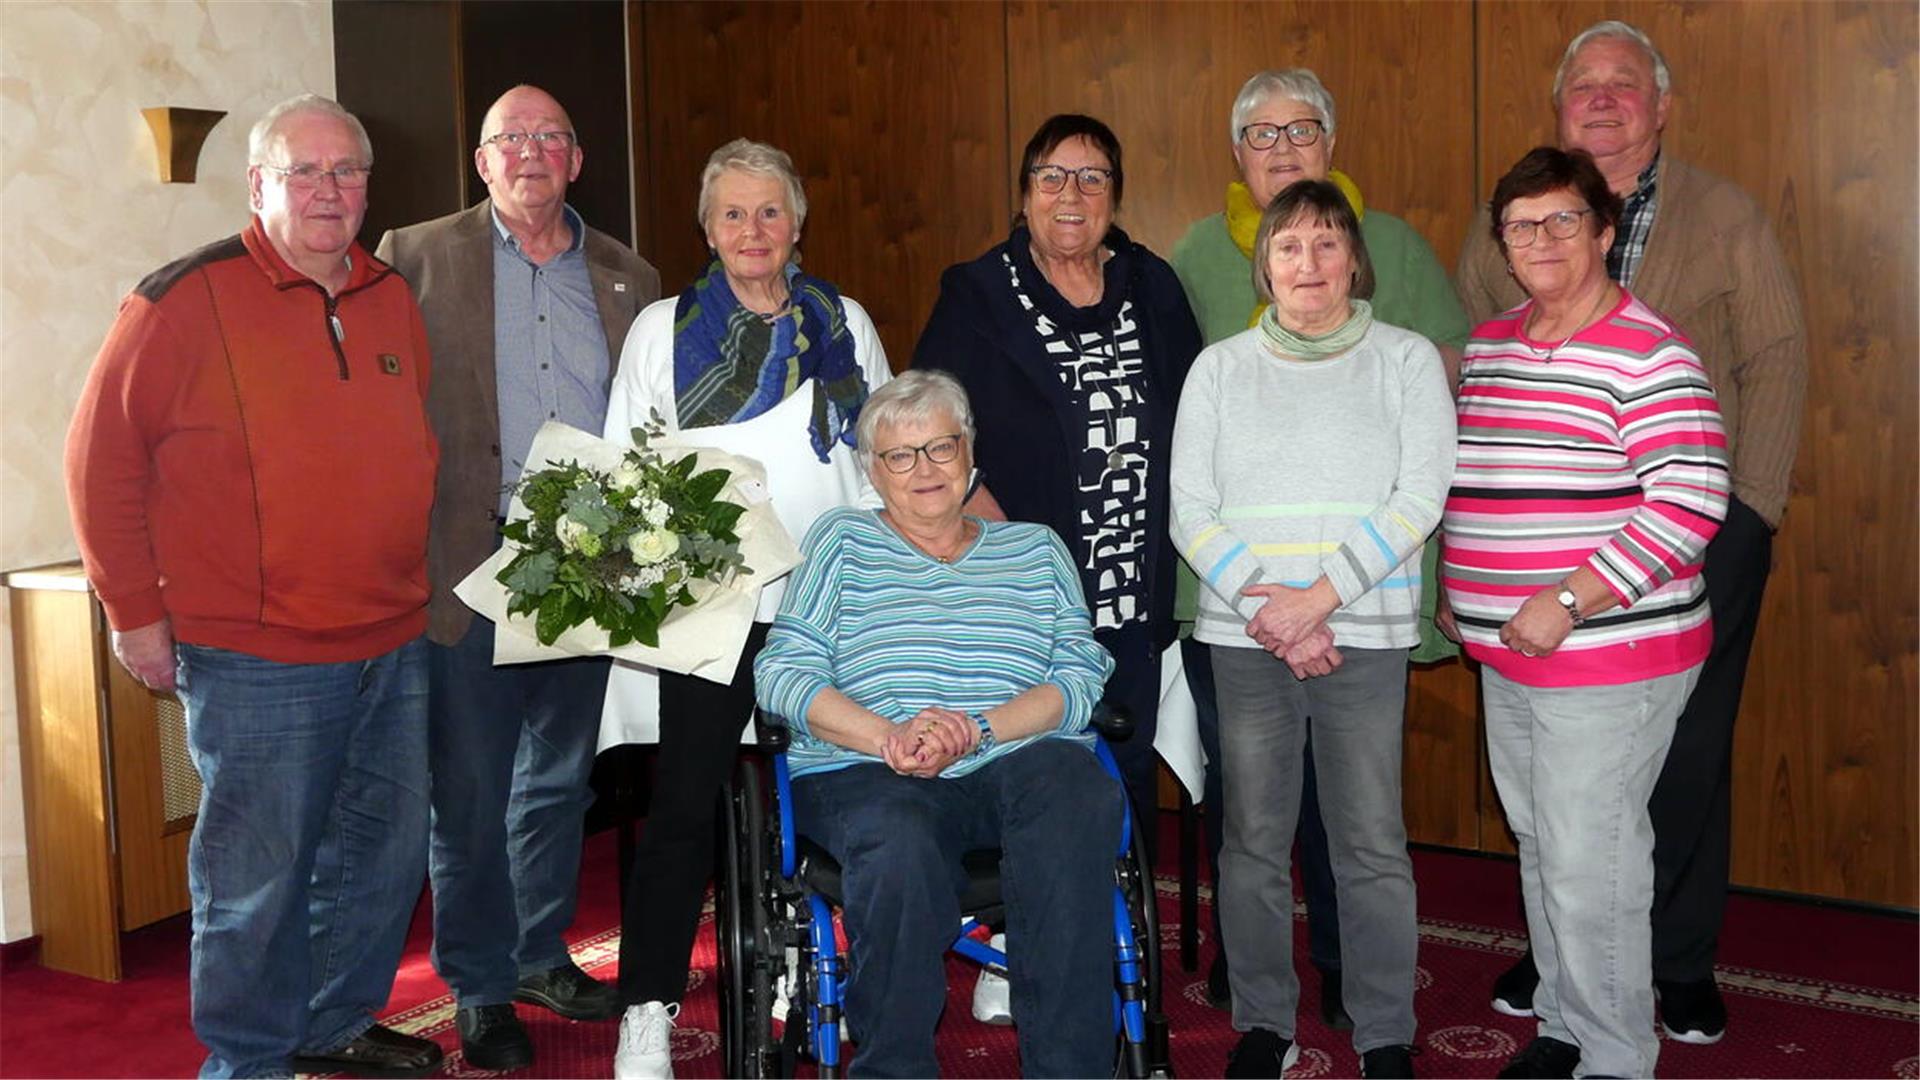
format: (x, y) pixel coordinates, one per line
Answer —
(770, 735)
(1112, 721)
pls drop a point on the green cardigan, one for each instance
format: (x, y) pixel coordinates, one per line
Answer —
(1411, 290)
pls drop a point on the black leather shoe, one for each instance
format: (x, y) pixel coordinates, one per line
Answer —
(492, 1038)
(1393, 1061)
(570, 992)
(1219, 991)
(1543, 1059)
(1261, 1054)
(1333, 1005)
(378, 1052)
(1513, 990)
(1692, 1012)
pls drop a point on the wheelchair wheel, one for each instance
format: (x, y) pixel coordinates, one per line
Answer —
(748, 959)
(1154, 1057)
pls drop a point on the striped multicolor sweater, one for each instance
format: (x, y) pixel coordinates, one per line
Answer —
(1605, 452)
(895, 630)
(1284, 471)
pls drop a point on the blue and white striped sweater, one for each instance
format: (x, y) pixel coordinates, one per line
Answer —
(896, 631)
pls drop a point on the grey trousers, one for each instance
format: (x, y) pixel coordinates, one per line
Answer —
(1357, 713)
(1574, 767)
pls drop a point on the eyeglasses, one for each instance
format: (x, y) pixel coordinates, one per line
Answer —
(1565, 225)
(902, 459)
(310, 177)
(1052, 179)
(513, 141)
(1298, 132)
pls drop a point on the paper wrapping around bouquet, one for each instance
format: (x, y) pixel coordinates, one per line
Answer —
(704, 640)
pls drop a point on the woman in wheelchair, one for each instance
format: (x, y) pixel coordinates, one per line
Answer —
(937, 673)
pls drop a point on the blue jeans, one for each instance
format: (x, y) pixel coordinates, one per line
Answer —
(1055, 815)
(512, 748)
(306, 858)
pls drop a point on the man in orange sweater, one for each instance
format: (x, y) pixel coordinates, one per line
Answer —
(250, 471)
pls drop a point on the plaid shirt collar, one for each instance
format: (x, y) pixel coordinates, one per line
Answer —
(1636, 223)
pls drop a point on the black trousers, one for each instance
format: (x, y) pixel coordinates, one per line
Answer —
(700, 726)
(1692, 804)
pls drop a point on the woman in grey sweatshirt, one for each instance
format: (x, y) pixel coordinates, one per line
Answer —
(1311, 457)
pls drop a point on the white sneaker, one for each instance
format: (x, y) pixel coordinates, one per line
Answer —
(993, 995)
(646, 1042)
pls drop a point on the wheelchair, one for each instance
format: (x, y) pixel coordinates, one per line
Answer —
(774, 898)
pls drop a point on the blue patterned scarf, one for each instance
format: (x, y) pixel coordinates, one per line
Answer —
(731, 364)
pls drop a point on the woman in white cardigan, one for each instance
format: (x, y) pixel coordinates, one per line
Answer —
(761, 360)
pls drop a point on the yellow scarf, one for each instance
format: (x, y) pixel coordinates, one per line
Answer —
(1243, 217)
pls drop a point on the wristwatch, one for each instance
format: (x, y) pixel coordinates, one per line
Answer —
(985, 745)
(1571, 603)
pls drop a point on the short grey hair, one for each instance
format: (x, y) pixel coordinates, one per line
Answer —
(1300, 84)
(261, 137)
(757, 158)
(1614, 28)
(913, 397)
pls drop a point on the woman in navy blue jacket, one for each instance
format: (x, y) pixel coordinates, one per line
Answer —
(1073, 341)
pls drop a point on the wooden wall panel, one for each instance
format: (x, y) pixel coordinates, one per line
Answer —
(1164, 76)
(895, 115)
(1809, 107)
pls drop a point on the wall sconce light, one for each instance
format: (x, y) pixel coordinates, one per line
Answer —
(177, 136)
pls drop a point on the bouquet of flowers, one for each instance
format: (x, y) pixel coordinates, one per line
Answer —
(654, 553)
(622, 547)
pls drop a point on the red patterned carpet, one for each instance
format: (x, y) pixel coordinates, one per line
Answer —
(1813, 991)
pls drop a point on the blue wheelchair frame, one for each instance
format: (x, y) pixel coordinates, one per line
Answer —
(821, 972)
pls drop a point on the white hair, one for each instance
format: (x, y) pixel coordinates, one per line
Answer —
(913, 396)
(1614, 28)
(757, 158)
(1300, 84)
(261, 137)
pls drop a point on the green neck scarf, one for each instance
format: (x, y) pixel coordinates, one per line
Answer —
(1289, 345)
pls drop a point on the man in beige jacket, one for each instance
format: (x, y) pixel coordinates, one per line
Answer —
(526, 308)
(1699, 250)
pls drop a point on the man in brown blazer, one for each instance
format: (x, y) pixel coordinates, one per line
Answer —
(526, 309)
(1703, 253)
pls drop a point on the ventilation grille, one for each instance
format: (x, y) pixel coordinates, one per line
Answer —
(179, 780)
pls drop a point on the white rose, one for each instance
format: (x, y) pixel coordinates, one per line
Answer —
(652, 546)
(627, 477)
(569, 533)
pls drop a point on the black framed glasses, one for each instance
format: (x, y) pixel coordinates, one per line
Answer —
(513, 142)
(940, 451)
(1265, 136)
(1564, 225)
(310, 177)
(1091, 179)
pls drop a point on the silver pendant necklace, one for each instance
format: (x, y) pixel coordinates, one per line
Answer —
(1547, 357)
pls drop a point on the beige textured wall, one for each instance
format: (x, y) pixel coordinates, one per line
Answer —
(83, 217)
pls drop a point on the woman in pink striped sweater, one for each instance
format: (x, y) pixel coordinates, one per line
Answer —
(1592, 470)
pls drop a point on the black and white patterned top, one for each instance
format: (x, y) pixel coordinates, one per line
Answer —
(1104, 374)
